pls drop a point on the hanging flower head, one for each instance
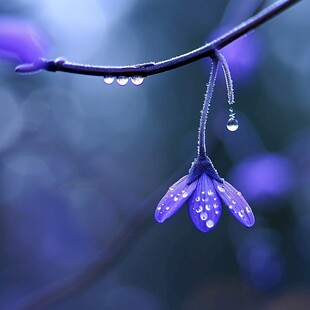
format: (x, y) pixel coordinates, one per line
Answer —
(205, 192)
(203, 188)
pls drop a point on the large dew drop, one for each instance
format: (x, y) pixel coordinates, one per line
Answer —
(122, 80)
(137, 80)
(232, 124)
(210, 223)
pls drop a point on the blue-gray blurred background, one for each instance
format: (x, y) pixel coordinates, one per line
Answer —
(79, 158)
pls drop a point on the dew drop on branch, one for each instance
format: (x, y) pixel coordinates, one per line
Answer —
(122, 80)
(137, 80)
(108, 79)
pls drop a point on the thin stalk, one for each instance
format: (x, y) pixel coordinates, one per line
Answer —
(228, 79)
(202, 149)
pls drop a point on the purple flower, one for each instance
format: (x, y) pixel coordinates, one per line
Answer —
(203, 188)
(205, 192)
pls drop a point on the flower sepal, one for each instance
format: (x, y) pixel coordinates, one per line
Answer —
(200, 165)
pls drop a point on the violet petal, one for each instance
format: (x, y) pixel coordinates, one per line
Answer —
(173, 200)
(204, 205)
(235, 202)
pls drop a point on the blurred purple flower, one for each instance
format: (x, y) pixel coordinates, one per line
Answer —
(205, 191)
(21, 41)
(263, 177)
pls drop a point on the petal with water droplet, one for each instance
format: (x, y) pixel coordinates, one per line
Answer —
(174, 199)
(236, 203)
(208, 218)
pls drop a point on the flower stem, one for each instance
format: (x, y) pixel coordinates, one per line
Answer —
(202, 149)
(228, 79)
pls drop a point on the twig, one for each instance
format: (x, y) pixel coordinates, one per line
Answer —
(151, 68)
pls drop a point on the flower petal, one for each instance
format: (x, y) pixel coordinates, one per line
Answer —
(235, 202)
(204, 205)
(176, 196)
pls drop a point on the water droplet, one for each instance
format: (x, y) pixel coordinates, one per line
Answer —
(233, 202)
(197, 198)
(203, 192)
(137, 80)
(217, 212)
(232, 124)
(230, 207)
(108, 79)
(239, 193)
(185, 194)
(215, 206)
(210, 193)
(122, 80)
(221, 188)
(176, 199)
(167, 208)
(205, 199)
(199, 209)
(240, 213)
(210, 223)
(170, 188)
(248, 209)
(208, 207)
(204, 216)
(158, 208)
(171, 195)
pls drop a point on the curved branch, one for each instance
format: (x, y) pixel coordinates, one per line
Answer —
(151, 68)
